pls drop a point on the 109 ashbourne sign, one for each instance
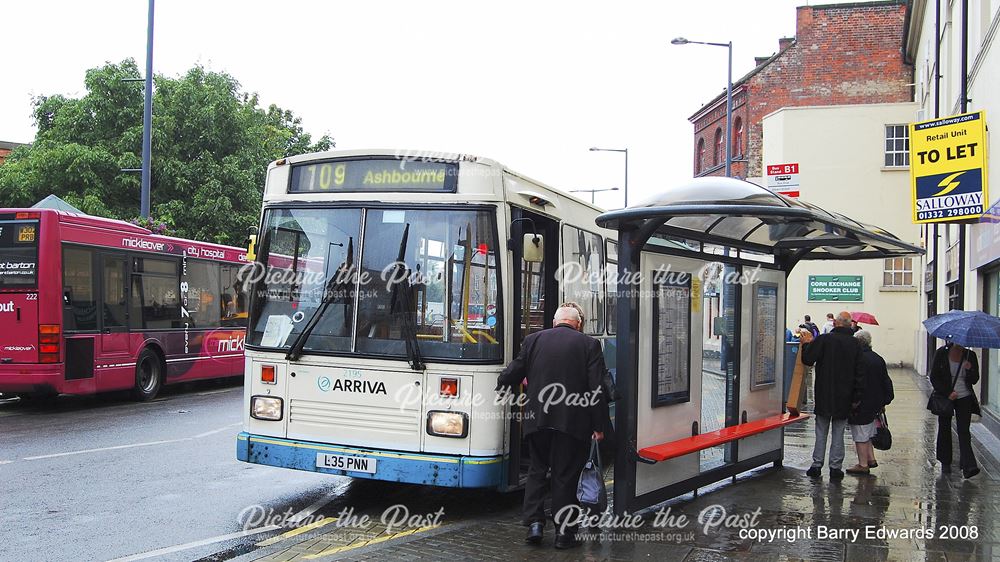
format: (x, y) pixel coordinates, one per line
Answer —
(839, 288)
(948, 168)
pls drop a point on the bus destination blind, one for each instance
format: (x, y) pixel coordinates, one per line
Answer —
(389, 174)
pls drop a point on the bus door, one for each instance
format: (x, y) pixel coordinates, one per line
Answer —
(536, 297)
(114, 305)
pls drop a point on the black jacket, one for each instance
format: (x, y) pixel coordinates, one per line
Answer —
(840, 380)
(567, 366)
(941, 376)
(878, 388)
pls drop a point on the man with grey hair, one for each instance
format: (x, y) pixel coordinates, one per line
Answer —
(838, 387)
(565, 409)
(877, 394)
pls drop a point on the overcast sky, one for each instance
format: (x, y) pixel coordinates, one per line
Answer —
(531, 84)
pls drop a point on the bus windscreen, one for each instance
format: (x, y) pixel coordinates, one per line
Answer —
(18, 253)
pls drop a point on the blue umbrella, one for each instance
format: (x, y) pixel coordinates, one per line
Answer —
(934, 322)
(968, 329)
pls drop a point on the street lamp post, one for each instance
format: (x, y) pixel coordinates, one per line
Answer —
(622, 150)
(729, 97)
(592, 192)
(147, 119)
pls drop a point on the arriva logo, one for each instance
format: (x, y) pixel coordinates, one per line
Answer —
(232, 344)
(7, 306)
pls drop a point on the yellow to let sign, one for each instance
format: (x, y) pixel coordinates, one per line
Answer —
(948, 168)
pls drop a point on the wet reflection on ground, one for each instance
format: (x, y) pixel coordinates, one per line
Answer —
(905, 510)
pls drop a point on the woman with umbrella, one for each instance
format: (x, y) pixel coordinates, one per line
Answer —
(954, 371)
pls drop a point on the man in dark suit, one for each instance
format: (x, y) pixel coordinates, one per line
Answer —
(565, 409)
(838, 389)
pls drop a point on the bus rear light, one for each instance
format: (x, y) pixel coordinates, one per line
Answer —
(265, 408)
(49, 336)
(267, 375)
(448, 424)
(449, 387)
(24, 215)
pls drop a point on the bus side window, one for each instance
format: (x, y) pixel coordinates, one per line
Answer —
(78, 289)
(233, 303)
(204, 304)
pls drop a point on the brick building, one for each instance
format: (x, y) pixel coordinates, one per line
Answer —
(6, 148)
(841, 54)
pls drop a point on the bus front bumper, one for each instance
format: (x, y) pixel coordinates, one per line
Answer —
(397, 466)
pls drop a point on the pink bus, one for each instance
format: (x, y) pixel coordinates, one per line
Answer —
(89, 305)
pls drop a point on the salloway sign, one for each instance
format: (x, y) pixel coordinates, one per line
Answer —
(948, 168)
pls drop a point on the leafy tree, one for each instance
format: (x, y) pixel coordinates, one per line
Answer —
(211, 144)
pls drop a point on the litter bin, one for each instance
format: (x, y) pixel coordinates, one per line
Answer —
(791, 353)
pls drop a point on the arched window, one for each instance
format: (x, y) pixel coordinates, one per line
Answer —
(699, 157)
(738, 138)
(720, 150)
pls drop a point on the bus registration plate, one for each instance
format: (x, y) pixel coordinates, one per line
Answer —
(346, 462)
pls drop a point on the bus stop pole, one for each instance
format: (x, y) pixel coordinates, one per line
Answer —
(627, 342)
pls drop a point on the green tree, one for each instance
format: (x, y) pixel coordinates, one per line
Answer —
(210, 148)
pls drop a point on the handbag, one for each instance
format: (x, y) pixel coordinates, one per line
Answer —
(590, 489)
(940, 404)
(882, 440)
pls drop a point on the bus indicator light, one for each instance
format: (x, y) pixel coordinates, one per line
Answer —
(449, 387)
(267, 375)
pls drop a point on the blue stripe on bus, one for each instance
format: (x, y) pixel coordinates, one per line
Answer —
(396, 466)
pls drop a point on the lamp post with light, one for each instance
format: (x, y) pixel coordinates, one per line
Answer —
(592, 192)
(729, 96)
(624, 151)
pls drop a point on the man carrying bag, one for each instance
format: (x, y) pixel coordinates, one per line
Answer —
(558, 362)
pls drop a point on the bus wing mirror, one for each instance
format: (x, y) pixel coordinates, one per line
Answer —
(533, 248)
(251, 243)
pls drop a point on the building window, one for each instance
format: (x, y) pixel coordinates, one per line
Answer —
(738, 138)
(717, 154)
(897, 146)
(897, 272)
(699, 162)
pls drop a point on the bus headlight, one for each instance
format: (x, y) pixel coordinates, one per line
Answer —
(265, 408)
(447, 424)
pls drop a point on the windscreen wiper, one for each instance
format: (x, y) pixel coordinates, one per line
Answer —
(409, 327)
(329, 291)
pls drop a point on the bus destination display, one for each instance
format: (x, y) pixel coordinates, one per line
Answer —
(388, 174)
(18, 253)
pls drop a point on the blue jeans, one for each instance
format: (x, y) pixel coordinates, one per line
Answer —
(836, 446)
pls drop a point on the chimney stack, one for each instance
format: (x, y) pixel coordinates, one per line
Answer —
(784, 42)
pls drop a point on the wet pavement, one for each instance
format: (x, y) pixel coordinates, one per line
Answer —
(906, 510)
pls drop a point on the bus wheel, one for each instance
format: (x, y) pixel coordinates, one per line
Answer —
(148, 376)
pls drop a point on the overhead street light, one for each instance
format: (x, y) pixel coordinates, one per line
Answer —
(624, 151)
(593, 191)
(729, 96)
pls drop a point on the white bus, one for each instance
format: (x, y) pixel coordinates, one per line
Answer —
(391, 288)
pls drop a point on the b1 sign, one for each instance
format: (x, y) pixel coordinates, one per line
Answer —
(783, 179)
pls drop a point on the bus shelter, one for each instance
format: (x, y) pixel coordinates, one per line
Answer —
(702, 271)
